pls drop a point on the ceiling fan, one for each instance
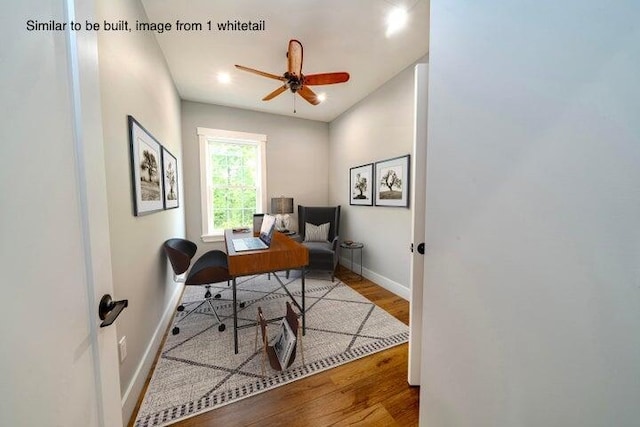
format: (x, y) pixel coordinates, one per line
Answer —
(294, 80)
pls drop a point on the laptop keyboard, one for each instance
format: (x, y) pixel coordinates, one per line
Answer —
(253, 243)
(249, 243)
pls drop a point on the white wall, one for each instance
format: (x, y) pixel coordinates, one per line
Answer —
(297, 157)
(135, 80)
(533, 215)
(377, 128)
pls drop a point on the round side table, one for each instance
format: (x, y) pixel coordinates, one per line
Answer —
(352, 247)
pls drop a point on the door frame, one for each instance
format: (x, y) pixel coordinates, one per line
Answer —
(88, 147)
(418, 219)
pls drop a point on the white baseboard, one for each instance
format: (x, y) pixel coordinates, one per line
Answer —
(136, 385)
(395, 287)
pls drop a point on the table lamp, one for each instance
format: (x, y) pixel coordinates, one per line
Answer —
(282, 207)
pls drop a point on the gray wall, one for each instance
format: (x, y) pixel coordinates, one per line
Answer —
(533, 215)
(377, 128)
(135, 80)
(297, 157)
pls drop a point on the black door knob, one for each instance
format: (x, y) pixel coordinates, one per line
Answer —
(109, 310)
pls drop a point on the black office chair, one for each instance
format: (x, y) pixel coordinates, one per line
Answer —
(210, 268)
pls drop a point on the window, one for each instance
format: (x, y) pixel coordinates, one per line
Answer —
(232, 180)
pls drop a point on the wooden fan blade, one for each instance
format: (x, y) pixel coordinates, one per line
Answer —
(326, 78)
(294, 57)
(275, 93)
(261, 73)
(308, 95)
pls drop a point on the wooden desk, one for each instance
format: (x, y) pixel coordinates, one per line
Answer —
(284, 254)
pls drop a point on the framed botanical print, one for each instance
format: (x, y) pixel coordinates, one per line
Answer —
(361, 185)
(392, 182)
(170, 177)
(146, 170)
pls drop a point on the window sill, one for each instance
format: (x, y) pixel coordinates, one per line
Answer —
(208, 238)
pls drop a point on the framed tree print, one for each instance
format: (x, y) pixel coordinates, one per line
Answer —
(146, 170)
(361, 185)
(170, 177)
(392, 182)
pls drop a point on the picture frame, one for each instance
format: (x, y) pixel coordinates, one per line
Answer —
(170, 178)
(392, 182)
(361, 184)
(146, 170)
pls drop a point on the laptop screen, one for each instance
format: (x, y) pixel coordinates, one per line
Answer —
(267, 229)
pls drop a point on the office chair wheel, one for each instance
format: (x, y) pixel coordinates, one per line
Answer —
(242, 305)
(207, 294)
(217, 296)
(181, 307)
(175, 331)
(221, 327)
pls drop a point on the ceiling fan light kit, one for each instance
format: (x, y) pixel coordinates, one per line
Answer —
(294, 80)
(396, 20)
(224, 78)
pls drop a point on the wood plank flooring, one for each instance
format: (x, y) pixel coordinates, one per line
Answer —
(372, 391)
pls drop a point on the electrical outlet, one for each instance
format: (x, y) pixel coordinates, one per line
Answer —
(122, 348)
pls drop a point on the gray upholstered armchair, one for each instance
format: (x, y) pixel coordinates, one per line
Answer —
(322, 241)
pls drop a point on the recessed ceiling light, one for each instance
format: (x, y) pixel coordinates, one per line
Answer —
(396, 20)
(322, 97)
(224, 78)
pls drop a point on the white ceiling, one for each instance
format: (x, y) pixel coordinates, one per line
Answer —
(337, 35)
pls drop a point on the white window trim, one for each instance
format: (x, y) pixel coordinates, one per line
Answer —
(204, 134)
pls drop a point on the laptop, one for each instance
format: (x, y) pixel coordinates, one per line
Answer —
(263, 241)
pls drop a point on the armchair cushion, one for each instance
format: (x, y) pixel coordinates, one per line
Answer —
(316, 233)
(319, 247)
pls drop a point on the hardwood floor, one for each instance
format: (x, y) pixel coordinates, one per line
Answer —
(372, 391)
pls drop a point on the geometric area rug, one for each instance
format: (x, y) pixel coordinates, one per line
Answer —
(198, 371)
